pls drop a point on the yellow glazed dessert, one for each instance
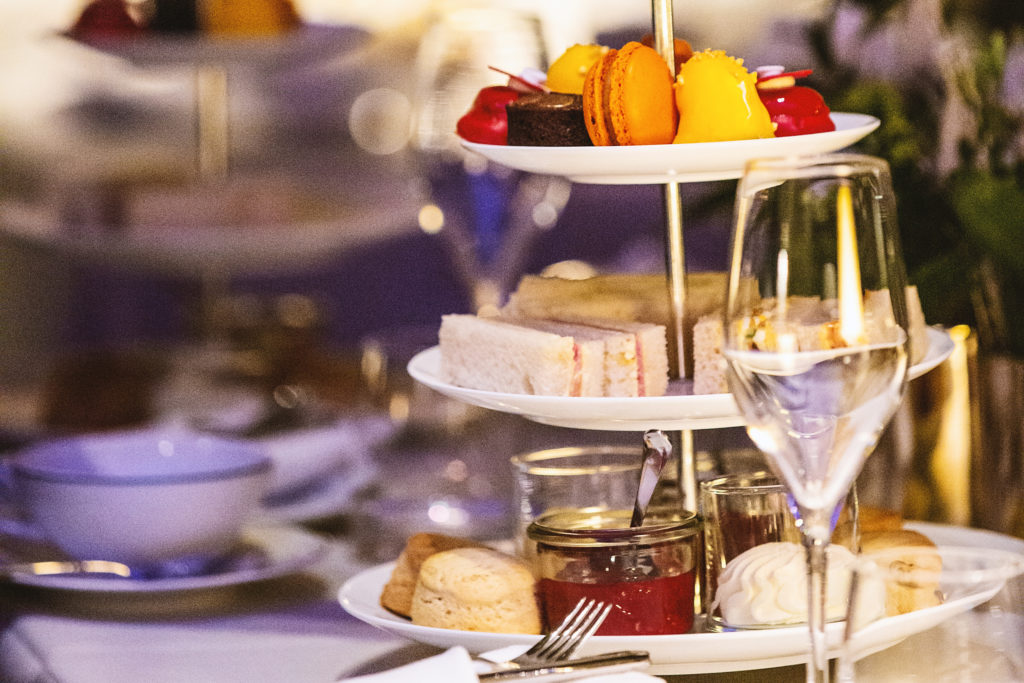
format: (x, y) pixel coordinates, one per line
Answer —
(566, 74)
(717, 100)
(249, 17)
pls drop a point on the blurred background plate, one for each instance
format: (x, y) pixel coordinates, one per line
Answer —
(305, 44)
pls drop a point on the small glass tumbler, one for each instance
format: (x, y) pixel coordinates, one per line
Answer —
(647, 573)
(740, 511)
(572, 478)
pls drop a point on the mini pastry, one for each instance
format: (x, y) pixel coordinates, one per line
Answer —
(103, 19)
(234, 18)
(487, 121)
(717, 100)
(552, 119)
(627, 98)
(248, 17)
(567, 73)
(681, 49)
(794, 109)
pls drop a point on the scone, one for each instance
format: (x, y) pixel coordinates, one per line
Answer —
(870, 519)
(476, 589)
(397, 593)
(913, 551)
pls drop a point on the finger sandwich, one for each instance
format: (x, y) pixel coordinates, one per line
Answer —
(553, 358)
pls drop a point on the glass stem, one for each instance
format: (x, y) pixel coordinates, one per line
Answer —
(816, 540)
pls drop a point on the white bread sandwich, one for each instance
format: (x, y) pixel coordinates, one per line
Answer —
(553, 358)
(618, 296)
(816, 329)
(624, 297)
(650, 347)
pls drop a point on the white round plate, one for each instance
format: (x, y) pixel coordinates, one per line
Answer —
(680, 409)
(683, 163)
(270, 552)
(307, 43)
(689, 653)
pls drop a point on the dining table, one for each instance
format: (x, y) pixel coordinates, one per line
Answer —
(292, 628)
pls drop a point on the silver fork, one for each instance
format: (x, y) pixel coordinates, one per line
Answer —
(566, 638)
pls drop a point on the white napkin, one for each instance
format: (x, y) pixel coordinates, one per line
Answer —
(456, 666)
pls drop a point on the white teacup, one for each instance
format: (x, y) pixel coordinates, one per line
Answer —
(144, 498)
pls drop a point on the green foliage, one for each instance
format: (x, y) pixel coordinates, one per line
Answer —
(962, 231)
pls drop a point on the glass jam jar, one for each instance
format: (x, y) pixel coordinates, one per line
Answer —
(647, 573)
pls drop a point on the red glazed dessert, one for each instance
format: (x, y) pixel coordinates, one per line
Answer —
(794, 109)
(103, 19)
(487, 121)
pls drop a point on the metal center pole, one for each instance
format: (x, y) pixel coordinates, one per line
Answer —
(675, 267)
(212, 122)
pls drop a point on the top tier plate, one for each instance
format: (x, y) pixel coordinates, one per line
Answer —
(685, 163)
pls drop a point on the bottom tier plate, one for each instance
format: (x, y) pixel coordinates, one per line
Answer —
(692, 653)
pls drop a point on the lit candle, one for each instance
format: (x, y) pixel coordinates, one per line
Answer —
(851, 305)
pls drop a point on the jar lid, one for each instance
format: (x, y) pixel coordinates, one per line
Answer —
(747, 482)
(600, 527)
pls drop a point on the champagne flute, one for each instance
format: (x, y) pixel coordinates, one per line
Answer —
(816, 342)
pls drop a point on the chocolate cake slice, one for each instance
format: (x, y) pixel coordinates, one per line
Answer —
(547, 120)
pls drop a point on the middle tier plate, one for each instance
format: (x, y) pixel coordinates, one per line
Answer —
(678, 410)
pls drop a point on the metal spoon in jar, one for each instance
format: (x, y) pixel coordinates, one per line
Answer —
(657, 450)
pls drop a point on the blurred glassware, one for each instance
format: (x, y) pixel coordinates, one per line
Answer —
(446, 482)
(979, 638)
(485, 214)
(409, 404)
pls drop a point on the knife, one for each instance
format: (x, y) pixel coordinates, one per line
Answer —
(48, 568)
(612, 662)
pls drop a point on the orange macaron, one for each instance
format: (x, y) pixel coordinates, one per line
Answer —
(628, 98)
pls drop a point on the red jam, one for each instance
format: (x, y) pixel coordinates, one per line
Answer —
(646, 573)
(658, 606)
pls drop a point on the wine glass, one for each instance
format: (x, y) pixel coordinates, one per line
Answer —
(486, 215)
(968, 596)
(816, 343)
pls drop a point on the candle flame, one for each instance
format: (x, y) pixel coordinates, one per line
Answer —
(851, 305)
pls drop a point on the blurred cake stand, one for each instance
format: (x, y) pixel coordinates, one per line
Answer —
(214, 58)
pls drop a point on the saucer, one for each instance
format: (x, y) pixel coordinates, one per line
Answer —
(265, 552)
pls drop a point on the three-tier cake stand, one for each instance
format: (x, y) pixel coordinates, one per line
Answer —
(680, 412)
